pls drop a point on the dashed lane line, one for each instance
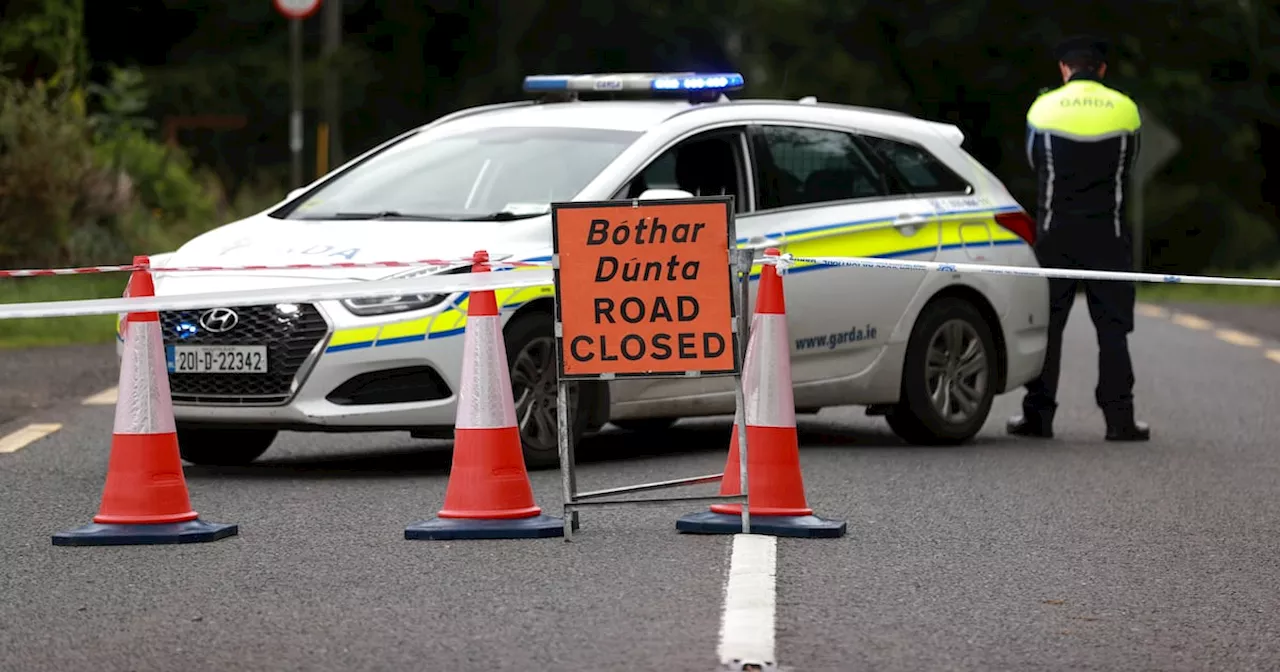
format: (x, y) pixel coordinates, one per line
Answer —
(747, 626)
(103, 398)
(1274, 355)
(1238, 338)
(1149, 310)
(26, 436)
(1191, 321)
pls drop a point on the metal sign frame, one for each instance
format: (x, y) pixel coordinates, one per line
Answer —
(740, 263)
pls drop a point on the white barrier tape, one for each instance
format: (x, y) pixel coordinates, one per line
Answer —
(438, 284)
(88, 270)
(1023, 271)
(343, 265)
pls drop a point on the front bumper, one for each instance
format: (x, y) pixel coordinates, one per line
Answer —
(319, 376)
(331, 371)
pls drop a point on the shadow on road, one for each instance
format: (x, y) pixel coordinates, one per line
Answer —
(610, 446)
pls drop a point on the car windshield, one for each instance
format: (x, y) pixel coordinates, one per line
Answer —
(483, 173)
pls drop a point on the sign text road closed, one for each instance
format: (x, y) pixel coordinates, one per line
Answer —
(645, 289)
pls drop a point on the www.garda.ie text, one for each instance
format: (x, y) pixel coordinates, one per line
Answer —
(835, 340)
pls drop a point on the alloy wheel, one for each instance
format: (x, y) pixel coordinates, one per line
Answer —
(956, 371)
(533, 385)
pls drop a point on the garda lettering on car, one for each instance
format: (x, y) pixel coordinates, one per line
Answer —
(946, 206)
(307, 250)
(837, 339)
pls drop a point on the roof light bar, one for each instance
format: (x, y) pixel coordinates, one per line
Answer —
(678, 81)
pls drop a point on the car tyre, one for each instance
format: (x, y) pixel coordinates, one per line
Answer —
(531, 361)
(949, 378)
(223, 447)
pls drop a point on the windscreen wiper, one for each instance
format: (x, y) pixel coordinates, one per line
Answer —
(504, 216)
(382, 214)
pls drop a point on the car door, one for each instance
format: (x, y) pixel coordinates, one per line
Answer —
(965, 224)
(819, 193)
(711, 162)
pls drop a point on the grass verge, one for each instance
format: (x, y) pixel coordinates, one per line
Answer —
(87, 329)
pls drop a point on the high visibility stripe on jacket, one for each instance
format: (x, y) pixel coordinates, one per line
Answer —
(1082, 140)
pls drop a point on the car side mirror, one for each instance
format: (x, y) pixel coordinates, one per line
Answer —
(661, 194)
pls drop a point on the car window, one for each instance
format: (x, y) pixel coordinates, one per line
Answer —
(476, 172)
(922, 171)
(704, 165)
(797, 166)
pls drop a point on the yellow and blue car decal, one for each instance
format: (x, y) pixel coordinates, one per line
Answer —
(872, 239)
(450, 322)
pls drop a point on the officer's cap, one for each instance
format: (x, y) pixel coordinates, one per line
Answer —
(1078, 46)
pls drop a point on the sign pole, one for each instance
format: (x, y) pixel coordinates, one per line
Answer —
(743, 260)
(295, 12)
(295, 115)
(1159, 145)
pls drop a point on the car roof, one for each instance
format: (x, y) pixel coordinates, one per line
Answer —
(643, 115)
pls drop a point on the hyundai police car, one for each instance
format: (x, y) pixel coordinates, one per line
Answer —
(928, 351)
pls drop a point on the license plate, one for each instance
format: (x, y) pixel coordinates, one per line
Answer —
(217, 358)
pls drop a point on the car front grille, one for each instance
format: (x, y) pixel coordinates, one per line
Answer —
(290, 339)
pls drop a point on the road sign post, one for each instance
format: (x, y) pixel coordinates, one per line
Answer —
(646, 289)
(296, 11)
(1158, 145)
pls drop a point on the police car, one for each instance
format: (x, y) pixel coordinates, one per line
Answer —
(928, 351)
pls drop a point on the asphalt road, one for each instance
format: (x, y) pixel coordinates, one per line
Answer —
(1002, 555)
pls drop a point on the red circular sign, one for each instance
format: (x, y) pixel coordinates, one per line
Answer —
(297, 9)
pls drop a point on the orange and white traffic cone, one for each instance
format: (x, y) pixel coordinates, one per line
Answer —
(775, 485)
(145, 498)
(489, 495)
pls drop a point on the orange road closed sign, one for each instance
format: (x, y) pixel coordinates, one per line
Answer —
(644, 289)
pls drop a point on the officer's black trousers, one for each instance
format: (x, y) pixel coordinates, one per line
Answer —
(1111, 306)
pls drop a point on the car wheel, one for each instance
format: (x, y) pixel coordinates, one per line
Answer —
(223, 447)
(948, 381)
(531, 358)
(645, 425)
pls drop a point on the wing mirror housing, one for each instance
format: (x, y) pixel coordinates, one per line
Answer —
(664, 194)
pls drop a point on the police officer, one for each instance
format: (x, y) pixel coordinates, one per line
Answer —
(1082, 139)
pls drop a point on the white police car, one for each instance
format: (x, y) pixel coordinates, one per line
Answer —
(927, 350)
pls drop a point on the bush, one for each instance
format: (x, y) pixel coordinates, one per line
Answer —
(78, 189)
(50, 182)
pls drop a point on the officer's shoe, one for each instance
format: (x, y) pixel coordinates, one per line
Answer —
(1121, 425)
(1133, 430)
(1029, 426)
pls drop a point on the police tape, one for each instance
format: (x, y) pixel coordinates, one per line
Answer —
(129, 268)
(323, 291)
(786, 261)
(449, 284)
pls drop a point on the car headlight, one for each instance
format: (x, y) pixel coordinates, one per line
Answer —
(387, 305)
(384, 305)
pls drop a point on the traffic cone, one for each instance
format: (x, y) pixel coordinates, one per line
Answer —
(489, 495)
(145, 499)
(775, 487)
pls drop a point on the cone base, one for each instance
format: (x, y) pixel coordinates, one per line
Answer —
(808, 527)
(189, 532)
(537, 527)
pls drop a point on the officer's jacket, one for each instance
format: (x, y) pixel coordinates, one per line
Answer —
(1082, 141)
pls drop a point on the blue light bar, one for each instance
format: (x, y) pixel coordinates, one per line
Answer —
(677, 81)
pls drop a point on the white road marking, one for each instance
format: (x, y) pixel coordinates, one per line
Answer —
(1151, 311)
(747, 626)
(26, 436)
(1191, 321)
(1238, 338)
(103, 398)
(1274, 355)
